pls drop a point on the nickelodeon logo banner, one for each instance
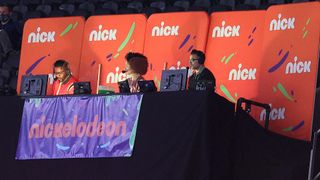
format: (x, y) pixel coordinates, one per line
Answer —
(46, 40)
(289, 68)
(170, 37)
(106, 41)
(233, 52)
(79, 127)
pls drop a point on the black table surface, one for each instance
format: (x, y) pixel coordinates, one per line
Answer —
(180, 135)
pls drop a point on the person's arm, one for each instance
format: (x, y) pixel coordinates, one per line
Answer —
(70, 89)
(5, 43)
(213, 80)
(210, 77)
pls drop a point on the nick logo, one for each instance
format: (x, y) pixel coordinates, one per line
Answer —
(281, 24)
(103, 35)
(115, 77)
(41, 37)
(298, 66)
(275, 114)
(226, 31)
(242, 74)
(165, 30)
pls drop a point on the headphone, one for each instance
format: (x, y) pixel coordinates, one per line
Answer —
(67, 68)
(200, 54)
(201, 60)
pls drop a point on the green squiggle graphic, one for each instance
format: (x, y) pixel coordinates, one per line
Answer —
(36, 101)
(66, 30)
(133, 134)
(223, 58)
(308, 21)
(228, 59)
(125, 42)
(274, 89)
(284, 92)
(75, 25)
(227, 93)
(305, 34)
(115, 56)
(304, 29)
(287, 129)
(61, 147)
(134, 130)
(157, 82)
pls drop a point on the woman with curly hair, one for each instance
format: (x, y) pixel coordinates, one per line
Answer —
(136, 66)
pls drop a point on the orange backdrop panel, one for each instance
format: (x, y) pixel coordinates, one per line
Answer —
(47, 39)
(107, 39)
(170, 37)
(289, 67)
(234, 52)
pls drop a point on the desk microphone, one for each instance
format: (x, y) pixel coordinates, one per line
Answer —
(125, 70)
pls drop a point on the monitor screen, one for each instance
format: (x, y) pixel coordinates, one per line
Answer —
(33, 85)
(82, 88)
(147, 86)
(174, 80)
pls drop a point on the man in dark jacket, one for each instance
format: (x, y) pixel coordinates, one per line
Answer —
(9, 26)
(201, 74)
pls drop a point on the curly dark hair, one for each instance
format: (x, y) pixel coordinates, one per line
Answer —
(138, 62)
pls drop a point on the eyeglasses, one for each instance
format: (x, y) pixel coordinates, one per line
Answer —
(192, 59)
(58, 73)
